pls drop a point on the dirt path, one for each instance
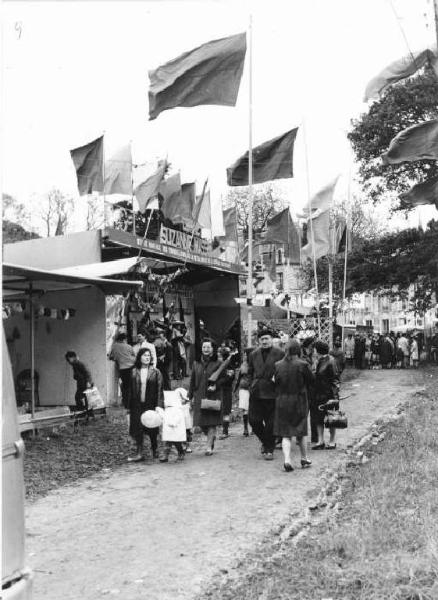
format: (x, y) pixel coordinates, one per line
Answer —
(160, 531)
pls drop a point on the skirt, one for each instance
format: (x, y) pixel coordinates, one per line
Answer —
(244, 399)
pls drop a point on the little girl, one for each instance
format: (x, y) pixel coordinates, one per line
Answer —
(242, 386)
(174, 426)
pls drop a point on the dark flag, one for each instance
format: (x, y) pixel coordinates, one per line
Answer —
(281, 230)
(88, 162)
(425, 192)
(209, 74)
(271, 160)
(273, 265)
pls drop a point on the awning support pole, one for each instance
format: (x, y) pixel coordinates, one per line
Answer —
(32, 350)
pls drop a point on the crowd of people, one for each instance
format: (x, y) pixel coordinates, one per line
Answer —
(277, 386)
(386, 351)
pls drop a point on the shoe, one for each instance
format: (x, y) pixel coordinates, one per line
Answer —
(330, 447)
(269, 456)
(189, 450)
(305, 463)
(318, 446)
(136, 458)
(208, 452)
(288, 467)
(245, 433)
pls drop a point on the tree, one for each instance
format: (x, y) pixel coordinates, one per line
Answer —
(95, 213)
(394, 262)
(407, 103)
(55, 211)
(14, 211)
(13, 232)
(266, 203)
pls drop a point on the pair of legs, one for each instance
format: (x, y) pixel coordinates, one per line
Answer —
(261, 419)
(168, 448)
(332, 441)
(210, 432)
(139, 440)
(245, 423)
(225, 427)
(286, 445)
(189, 438)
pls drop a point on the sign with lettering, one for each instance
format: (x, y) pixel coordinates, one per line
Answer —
(184, 241)
(173, 247)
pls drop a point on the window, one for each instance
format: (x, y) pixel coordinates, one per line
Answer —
(369, 323)
(280, 282)
(385, 325)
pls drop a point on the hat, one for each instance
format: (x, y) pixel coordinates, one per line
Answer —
(265, 331)
(151, 419)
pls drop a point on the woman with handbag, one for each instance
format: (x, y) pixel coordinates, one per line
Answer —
(326, 388)
(204, 393)
(292, 377)
(146, 393)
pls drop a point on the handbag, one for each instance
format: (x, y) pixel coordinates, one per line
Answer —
(336, 419)
(207, 404)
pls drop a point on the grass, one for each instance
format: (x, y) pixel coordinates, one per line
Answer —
(383, 542)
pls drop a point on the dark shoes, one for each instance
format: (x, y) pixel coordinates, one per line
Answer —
(288, 467)
(305, 463)
(245, 432)
(318, 446)
(268, 456)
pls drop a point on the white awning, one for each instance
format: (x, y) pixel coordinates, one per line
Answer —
(116, 267)
(18, 280)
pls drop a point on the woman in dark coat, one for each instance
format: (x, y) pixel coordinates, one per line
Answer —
(292, 377)
(202, 386)
(326, 388)
(146, 393)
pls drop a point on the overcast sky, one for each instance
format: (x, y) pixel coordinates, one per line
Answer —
(72, 70)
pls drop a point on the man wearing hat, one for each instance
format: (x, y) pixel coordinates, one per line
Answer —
(261, 365)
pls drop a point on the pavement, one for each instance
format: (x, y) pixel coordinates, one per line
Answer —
(161, 531)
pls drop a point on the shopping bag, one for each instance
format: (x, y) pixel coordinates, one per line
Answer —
(94, 398)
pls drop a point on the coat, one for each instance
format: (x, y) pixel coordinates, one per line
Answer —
(260, 373)
(326, 379)
(293, 377)
(386, 351)
(153, 397)
(174, 424)
(201, 372)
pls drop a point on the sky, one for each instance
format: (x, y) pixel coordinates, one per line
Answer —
(73, 70)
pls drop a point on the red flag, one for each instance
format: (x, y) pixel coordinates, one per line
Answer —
(88, 162)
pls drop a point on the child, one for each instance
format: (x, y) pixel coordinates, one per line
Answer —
(242, 385)
(174, 426)
(188, 417)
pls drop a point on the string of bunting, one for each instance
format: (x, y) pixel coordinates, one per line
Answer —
(10, 310)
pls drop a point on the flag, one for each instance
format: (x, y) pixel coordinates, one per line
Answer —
(181, 309)
(281, 230)
(202, 208)
(417, 142)
(271, 160)
(88, 162)
(400, 69)
(321, 236)
(185, 209)
(209, 74)
(272, 273)
(229, 217)
(170, 189)
(149, 188)
(323, 199)
(118, 172)
(425, 192)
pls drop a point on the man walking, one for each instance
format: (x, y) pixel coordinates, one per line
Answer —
(261, 365)
(124, 356)
(82, 377)
(142, 342)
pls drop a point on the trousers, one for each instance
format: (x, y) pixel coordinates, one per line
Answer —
(261, 418)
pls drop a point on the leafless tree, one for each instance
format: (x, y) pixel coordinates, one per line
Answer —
(55, 212)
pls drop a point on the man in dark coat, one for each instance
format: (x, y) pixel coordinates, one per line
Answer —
(82, 377)
(261, 367)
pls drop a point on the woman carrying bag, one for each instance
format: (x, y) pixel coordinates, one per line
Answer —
(326, 389)
(205, 395)
(146, 394)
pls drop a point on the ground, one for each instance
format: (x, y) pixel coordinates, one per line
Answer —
(163, 531)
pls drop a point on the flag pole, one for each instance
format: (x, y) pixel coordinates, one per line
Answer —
(249, 297)
(132, 190)
(347, 231)
(145, 233)
(330, 278)
(312, 237)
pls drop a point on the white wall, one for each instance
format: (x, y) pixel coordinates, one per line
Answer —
(84, 333)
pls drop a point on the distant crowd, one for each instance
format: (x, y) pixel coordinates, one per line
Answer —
(386, 351)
